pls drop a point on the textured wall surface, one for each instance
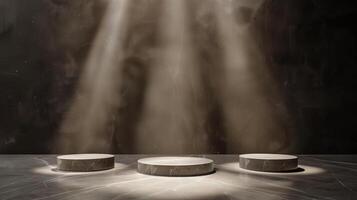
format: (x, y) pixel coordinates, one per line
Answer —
(295, 93)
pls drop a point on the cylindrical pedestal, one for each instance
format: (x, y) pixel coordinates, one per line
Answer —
(268, 162)
(85, 162)
(175, 166)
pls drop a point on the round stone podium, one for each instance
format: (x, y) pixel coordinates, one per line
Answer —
(85, 162)
(268, 162)
(175, 166)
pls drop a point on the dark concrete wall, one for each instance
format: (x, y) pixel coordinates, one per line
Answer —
(309, 47)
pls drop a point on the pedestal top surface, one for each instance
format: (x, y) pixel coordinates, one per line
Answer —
(93, 156)
(175, 161)
(263, 156)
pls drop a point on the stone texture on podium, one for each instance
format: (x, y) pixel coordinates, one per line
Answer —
(85, 162)
(268, 162)
(175, 166)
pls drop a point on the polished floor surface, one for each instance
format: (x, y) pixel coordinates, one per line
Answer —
(318, 177)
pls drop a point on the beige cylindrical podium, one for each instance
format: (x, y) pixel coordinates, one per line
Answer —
(175, 166)
(268, 162)
(85, 162)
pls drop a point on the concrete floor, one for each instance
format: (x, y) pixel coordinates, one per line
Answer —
(319, 177)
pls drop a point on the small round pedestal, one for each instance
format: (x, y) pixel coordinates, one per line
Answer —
(175, 166)
(268, 162)
(85, 162)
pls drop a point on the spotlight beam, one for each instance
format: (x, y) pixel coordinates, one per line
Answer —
(84, 127)
(172, 83)
(249, 94)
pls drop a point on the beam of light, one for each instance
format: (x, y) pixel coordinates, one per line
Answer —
(306, 170)
(53, 170)
(85, 127)
(168, 123)
(249, 95)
